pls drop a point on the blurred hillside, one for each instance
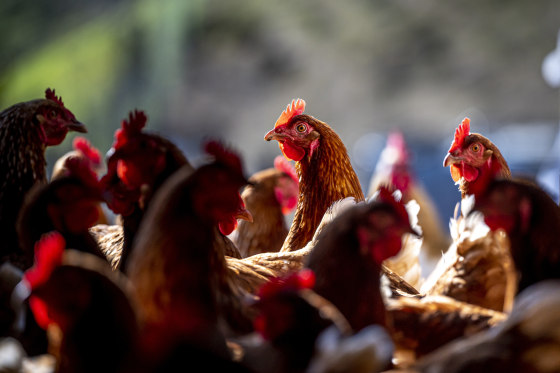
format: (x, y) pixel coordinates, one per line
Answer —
(209, 68)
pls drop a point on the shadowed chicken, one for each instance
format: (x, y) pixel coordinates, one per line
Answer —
(82, 149)
(86, 308)
(348, 256)
(270, 196)
(138, 164)
(69, 204)
(531, 220)
(26, 129)
(474, 161)
(290, 317)
(180, 276)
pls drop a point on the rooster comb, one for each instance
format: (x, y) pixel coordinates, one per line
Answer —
(296, 107)
(304, 279)
(224, 155)
(460, 134)
(283, 165)
(133, 126)
(49, 95)
(48, 255)
(89, 151)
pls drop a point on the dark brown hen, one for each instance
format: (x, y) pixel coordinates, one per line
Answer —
(180, 278)
(26, 129)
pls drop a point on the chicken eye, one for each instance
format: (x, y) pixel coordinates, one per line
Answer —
(301, 127)
(52, 114)
(475, 147)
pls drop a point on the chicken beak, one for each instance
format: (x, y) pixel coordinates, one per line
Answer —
(245, 215)
(77, 126)
(274, 135)
(451, 159)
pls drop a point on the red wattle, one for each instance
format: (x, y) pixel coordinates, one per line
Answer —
(469, 172)
(291, 151)
(227, 226)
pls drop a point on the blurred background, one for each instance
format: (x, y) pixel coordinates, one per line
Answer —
(226, 69)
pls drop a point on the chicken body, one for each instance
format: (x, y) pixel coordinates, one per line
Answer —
(271, 195)
(531, 220)
(179, 276)
(348, 256)
(323, 166)
(26, 129)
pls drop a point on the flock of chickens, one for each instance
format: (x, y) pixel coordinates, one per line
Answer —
(200, 271)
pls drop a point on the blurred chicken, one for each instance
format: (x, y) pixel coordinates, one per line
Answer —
(531, 220)
(528, 341)
(270, 196)
(290, 318)
(69, 204)
(393, 170)
(138, 164)
(26, 129)
(474, 161)
(82, 149)
(180, 276)
(323, 166)
(85, 307)
(348, 257)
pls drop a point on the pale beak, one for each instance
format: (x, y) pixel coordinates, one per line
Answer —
(245, 215)
(451, 159)
(273, 135)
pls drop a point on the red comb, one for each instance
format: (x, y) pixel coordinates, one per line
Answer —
(224, 155)
(283, 165)
(48, 255)
(133, 126)
(296, 107)
(49, 94)
(460, 133)
(90, 152)
(304, 279)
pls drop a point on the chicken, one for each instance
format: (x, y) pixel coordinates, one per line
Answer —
(26, 129)
(348, 256)
(179, 276)
(478, 267)
(290, 317)
(531, 220)
(138, 164)
(86, 308)
(394, 170)
(474, 161)
(82, 149)
(270, 196)
(68, 204)
(528, 341)
(323, 166)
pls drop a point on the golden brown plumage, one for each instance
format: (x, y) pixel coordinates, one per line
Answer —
(323, 165)
(271, 194)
